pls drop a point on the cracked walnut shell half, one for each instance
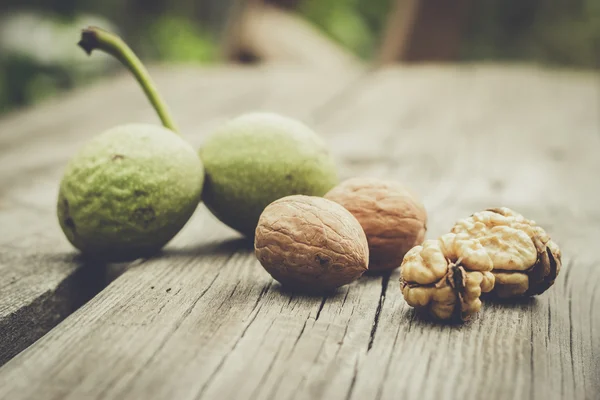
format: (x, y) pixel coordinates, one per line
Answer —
(525, 260)
(310, 243)
(446, 276)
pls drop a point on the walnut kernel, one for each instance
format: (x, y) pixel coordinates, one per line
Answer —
(310, 243)
(392, 217)
(525, 260)
(446, 276)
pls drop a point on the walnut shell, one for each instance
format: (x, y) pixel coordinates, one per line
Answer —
(446, 276)
(310, 243)
(392, 217)
(525, 260)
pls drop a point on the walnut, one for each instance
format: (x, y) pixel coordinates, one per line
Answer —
(525, 260)
(310, 243)
(446, 276)
(392, 217)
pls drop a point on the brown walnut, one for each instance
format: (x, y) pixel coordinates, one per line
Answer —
(525, 260)
(310, 243)
(392, 217)
(446, 276)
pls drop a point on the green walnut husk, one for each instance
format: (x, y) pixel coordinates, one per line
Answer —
(132, 188)
(257, 158)
(129, 191)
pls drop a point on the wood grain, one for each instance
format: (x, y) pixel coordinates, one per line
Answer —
(205, 321)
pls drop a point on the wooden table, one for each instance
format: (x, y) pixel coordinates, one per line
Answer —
(205, 321)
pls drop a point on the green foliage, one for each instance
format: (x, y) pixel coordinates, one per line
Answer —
(40, 57)
(341, 20)
(32, 70)
(557, 32)
(4, 101)
(177, 39)
(22, 81)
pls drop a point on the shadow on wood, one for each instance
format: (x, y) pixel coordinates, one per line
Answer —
(225, 247)
(31, 320)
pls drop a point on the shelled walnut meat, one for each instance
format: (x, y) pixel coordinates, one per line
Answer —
(446, 276)
(310, 243)
(525, 260)
(392, 217)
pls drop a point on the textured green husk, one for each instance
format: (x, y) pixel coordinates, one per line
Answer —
(129, 191)
(257, 158)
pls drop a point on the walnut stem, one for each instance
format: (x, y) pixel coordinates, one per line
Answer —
(93, 38)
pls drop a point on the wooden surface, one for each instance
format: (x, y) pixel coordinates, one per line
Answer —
(205, 321)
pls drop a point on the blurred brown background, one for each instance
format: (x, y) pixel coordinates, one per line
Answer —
(38, 56)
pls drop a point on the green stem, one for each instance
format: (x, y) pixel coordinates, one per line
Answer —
(93, 38)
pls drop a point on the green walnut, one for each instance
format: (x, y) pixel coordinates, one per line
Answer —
(132, 188)
(129, 191)
(257, 158)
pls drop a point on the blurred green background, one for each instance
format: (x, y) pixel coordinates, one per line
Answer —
(37, 37)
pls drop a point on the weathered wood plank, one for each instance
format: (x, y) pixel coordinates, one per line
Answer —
(43, 280)
(205, 321)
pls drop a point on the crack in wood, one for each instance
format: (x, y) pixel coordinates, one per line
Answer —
(277, 385)
(299, 335)
(314, 362)
(321, 308)
(531, 356)
(344, 301)
(188, 311)
(571, 339)
(387, 366)
(592, 317)
(341, 342)
(210, 379)
(384, 285)
(568, 273)
(168, 336)
(160, 309)
(353, 381)
(548, 336)
(428, 366)
(232, 292)
(413, 316)
(254, 393)
(263, 292)
(291, 352)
